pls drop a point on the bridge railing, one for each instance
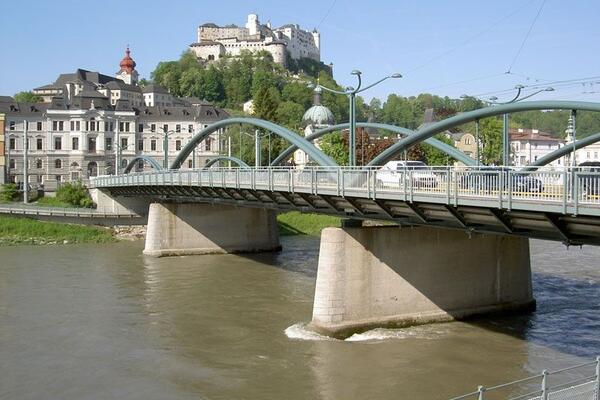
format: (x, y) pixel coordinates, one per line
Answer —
(578, 382)
(567, 186)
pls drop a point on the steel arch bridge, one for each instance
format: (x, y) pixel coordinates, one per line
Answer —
(410, 137)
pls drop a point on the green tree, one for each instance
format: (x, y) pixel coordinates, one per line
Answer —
(434, 156)
(335, 147)
(168, 75)
(490, 133)
(266, 101)
(27, 97)
(289, 114)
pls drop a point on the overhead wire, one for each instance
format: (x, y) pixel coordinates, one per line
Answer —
(326, 14)
(526, 36)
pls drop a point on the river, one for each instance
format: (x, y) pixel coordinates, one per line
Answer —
(105, 322)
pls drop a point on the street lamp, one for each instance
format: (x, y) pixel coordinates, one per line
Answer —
(505, 139)
(166, 135)
(119, 150)
(351, 93)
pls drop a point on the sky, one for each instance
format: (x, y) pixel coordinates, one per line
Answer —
(448, 48)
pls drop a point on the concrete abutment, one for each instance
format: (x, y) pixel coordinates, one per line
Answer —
(389, 277)
(196, 228)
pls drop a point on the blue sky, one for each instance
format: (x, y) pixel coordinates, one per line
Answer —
(443, 47)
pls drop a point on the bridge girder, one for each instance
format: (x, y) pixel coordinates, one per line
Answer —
(235, 160)
(316, 154)
(446, 148)
(457, 120)
(149, 160)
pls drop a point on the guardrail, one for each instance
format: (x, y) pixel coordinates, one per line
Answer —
(568, 186)
(99, 212)
(579, 382)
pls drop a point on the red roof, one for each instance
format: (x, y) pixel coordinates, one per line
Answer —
(127, 64)
(532, 134)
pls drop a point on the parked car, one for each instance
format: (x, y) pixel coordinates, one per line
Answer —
(394, 172)
(589, 178)
(489, 179)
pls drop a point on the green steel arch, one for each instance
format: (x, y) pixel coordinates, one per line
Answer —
(446, 148)
(298, 141)
(215, 160)
(149, 160)
(563, 151)
(438, 127)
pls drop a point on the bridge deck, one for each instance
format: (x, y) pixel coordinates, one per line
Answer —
(558, 205)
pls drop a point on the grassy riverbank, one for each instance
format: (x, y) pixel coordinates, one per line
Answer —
(15, 231)
(296, 223)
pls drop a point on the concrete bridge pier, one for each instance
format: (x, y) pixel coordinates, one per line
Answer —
(197, 228)
(394, 277)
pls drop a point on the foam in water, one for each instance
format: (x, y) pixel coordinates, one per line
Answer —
(299, 331)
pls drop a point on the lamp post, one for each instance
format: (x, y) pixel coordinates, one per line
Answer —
(25, 171)
(351, 93)
(119, 150)
(166, 135)
(505, 138)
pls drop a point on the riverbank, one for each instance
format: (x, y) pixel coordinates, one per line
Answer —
(15, 231)
(296, 223)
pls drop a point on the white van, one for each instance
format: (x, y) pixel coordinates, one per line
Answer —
(394, 172)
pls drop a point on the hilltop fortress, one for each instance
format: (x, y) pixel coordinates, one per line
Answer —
(216, 41)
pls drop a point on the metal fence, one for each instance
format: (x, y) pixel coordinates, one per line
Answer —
(571, 186)
(579, 382)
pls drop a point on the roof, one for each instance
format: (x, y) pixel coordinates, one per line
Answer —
(153, 88)
(118, 84)
(204, 113)
(6, 99)
(209, 25)
(318, 115)
(524, 134)
(23, 109)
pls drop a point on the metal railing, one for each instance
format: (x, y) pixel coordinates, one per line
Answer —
(579, 382)
(568, 186)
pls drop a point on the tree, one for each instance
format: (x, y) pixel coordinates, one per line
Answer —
(27, 97)
(168, 75)
(289, 114)
(490, 133)
(434, 156)
(266, 101)
(335, 147)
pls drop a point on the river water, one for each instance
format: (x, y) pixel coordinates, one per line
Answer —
(105, 322)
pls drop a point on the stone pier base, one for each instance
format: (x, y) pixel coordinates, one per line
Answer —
(390, 277)
(192, 228)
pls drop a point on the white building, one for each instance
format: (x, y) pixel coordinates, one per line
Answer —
(213, 41)
(92, 124)
(528, 145)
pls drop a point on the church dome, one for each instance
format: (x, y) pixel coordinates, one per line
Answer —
(318, 114)
(127, 64)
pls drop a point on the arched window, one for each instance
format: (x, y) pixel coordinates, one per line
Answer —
(92, 169)
(74, 165)
(38, 163)
(58, 163)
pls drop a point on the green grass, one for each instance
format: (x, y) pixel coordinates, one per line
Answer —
(29, 231)
(52, 202)
(296, 223)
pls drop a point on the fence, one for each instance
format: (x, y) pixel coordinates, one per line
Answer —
(579, 382)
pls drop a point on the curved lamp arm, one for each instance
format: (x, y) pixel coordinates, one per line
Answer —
(332, 90)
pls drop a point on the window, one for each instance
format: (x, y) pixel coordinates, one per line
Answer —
(190, 128)
(57, 143)
(54, 125)
(141, 127)
(11, 125)
(75, 143)
(178, 128)
(77, 126)
(92, 125)
(12, 144)
(108, 143)
(61, 125)
(58, 178)
(165, 128)
(123, 143)
(12, 163)
(39, 126)
(140, 164)
(153, 145)
(189, 163)
(141, 145)
(121, 126)
(38, 163)
(208, 144)
(38, 143)
(92, 145)
(72, 126)
(126, 126)
(124, 163)
(58, 163)
(178, 145)
(152, 127)
(111, 126)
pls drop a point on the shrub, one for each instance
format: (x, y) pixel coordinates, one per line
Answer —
(8, 192)
(75, 194)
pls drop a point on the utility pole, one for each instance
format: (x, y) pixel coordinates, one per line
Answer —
(25, 177)
(257, 152)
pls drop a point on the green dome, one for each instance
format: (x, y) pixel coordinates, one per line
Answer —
(318, 114)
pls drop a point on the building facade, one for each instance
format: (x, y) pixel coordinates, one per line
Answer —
(529, 145)
(92, 124)
(214, 42)
(2, 150)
